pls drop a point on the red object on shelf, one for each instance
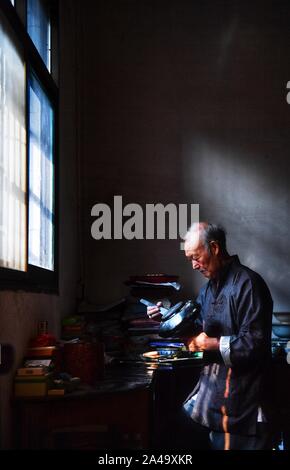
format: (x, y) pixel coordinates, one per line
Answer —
(84, 360)
(44, 339)
(154, 278)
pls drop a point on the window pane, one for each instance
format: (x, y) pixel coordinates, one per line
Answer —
(13, 225)
(41, 179)
(38, 27)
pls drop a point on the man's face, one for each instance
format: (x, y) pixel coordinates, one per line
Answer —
(201, 260)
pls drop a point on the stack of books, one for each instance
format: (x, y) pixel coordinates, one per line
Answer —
(139, 327)
(36, 376)
(32, 382)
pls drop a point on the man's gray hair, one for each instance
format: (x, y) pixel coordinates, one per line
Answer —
(208, 233)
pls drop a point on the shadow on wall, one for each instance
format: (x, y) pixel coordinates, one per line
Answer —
(7, 358)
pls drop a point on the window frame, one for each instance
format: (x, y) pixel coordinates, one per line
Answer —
(36, 279)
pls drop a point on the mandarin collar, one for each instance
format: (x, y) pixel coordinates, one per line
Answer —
(216, 284)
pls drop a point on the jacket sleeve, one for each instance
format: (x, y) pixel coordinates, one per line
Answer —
(253, 308)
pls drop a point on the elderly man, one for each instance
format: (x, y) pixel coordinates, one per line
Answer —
(234, 331)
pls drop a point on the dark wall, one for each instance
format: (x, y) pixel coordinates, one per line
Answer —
(185, 102)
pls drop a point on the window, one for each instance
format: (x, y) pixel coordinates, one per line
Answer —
(38, 27)
(28, 112)
(41, 177)
(12, 153)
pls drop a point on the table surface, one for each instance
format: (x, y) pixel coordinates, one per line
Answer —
(122, 376)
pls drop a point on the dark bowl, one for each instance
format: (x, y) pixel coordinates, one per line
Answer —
(281, 330)
(283, 317)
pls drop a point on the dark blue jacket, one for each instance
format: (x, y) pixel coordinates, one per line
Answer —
(234, 384)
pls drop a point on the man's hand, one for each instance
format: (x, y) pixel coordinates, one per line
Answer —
(202, 342)
(154, 312)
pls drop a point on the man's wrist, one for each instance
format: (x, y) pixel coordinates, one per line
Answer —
(213, 344)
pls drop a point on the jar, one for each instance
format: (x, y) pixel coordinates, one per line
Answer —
(84, 360)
